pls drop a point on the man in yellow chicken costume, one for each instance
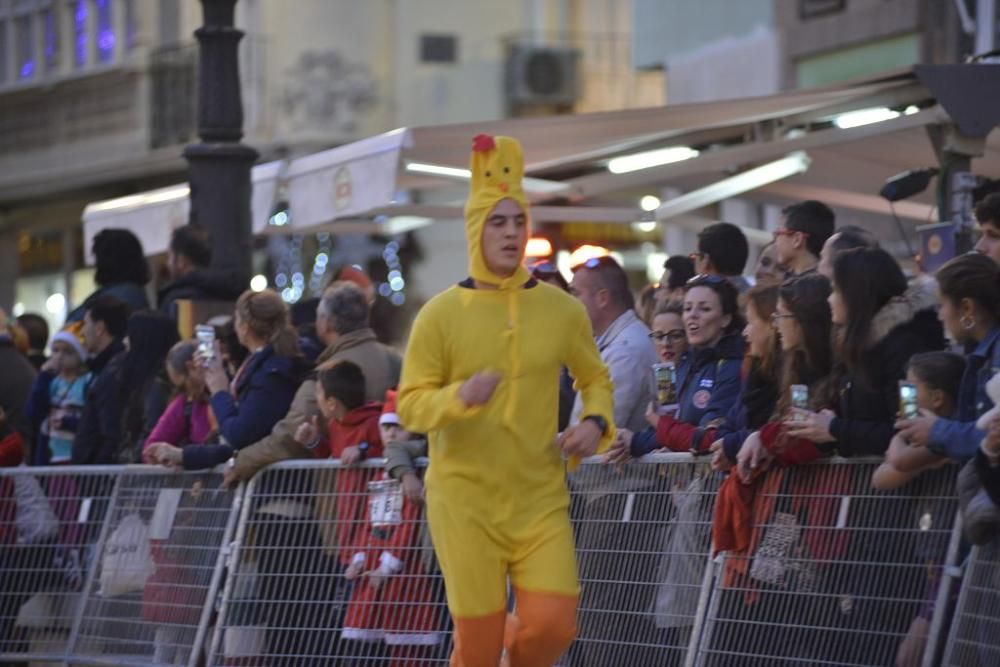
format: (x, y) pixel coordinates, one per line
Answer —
(481, 378)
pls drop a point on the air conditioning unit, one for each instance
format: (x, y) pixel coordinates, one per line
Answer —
(539, 75)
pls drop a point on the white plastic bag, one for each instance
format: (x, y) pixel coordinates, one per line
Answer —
(127, 561)
(36, 522)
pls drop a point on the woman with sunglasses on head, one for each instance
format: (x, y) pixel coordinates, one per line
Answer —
(708, 376)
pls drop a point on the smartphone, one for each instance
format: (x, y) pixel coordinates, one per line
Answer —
(800, 397)
(205, 335)
(908, 400)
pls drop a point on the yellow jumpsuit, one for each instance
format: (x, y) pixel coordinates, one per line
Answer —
(497, 500)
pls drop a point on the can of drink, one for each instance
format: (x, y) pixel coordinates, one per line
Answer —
(800, 398)
(665, 387)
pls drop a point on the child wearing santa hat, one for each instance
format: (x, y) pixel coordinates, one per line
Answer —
(57, 399)
(394, 599)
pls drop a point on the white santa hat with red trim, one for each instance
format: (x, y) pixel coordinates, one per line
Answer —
(73, 341)
(389, 415)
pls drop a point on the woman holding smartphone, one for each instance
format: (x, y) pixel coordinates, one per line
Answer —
(248, 407)
(879, 325)
(970, 310)
(859, 565)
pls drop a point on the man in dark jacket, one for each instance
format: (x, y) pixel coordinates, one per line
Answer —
(16, 379)
(188, 258)
(99, 431)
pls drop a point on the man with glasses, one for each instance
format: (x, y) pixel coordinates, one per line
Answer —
(622, 339)
(805, 227)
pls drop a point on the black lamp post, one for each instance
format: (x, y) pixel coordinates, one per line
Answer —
(219, 166)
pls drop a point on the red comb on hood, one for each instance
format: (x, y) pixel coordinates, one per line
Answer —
(482, 143)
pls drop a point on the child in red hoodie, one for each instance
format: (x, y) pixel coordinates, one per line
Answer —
(394, 599)
(352, 436)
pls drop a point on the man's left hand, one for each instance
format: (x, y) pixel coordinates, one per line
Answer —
(917, 431)
(581, 440)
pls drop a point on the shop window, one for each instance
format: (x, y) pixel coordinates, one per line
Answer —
(3, 52)
(25, 41)
(81, 39)
(130, 32)
(105, 31)
(50, 27)
(810, 9)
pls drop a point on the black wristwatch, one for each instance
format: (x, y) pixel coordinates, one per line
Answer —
(363, 448)
(600, 421)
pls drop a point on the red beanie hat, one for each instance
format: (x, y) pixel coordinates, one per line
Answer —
(356, 276)
(389, 415)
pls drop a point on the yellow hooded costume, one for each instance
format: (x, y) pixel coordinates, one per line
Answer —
(497, 500)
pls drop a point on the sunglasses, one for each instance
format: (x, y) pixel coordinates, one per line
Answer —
(544, 270)
(706, 279)
(673, 336)
(595, 262)
(787, 232)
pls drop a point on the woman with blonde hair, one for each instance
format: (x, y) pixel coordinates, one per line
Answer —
(248, 407)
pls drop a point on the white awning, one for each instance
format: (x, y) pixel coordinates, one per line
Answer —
(153, 215)
(386, 183)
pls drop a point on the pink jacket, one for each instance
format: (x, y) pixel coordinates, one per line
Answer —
(177, 430)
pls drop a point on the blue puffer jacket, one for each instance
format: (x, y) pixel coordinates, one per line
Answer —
(709, 385)
(709, 381)
(264, 392)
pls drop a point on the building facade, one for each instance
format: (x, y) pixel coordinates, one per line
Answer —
(99, 97)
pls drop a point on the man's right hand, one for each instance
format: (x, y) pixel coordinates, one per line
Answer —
(479, 388)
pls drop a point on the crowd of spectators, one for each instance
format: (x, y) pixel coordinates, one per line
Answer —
(825, 308)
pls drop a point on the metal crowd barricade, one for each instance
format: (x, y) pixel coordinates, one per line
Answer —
(130, 572)
(976, 625)
(836, 572)
(287, 600)
(43, 569)
(146, 566)
(643, 532)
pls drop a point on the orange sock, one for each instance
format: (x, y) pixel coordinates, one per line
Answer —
(545, 627)
(479, 640)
